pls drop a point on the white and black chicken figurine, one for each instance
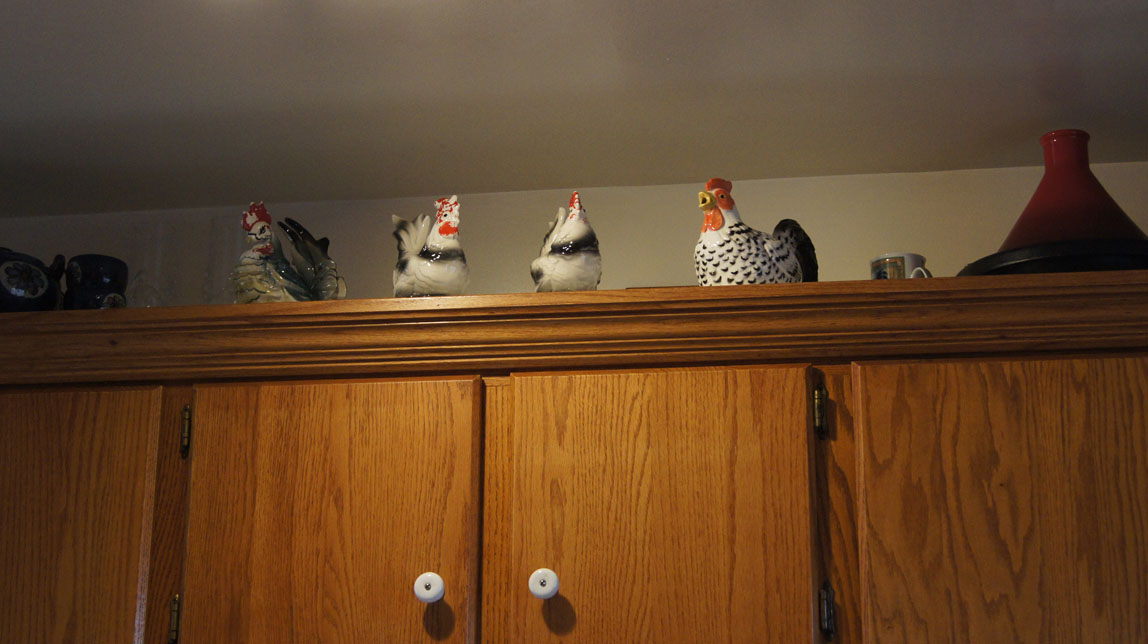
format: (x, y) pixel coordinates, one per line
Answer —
(270, 272)
(569, 260)
(431, 261)
(729, 252)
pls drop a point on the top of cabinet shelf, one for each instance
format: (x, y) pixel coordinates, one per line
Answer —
(830, 322)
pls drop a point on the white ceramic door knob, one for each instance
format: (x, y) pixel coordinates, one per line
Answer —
(429, 587)
(543, 583)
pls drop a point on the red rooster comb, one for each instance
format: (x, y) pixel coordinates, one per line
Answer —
(443, 205)
(575, 202)
(254, 214)
(718, 183)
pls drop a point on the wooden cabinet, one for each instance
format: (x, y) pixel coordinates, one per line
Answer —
(975, 470)
(672, 504)
(314, 507)
(77, 493)
(1004, 501)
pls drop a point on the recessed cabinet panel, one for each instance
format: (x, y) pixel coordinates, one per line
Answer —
(1004, 501)
(315, 507)
(670, 506)
(77, 486)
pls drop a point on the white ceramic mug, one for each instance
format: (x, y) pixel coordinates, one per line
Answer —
(896, 266)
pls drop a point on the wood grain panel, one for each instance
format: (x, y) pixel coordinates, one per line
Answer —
(170, 519)
(1004, 501)
(836, 484)
(673, 505)
(77, 478)
(496, 334)
(315, 506)
(498, 580)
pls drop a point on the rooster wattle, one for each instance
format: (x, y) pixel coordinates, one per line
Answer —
(431, 261)
(730, 252)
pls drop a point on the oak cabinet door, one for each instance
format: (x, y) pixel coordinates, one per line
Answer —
(1004, 501)
(77, 487)
(674, 506)
(314, 507)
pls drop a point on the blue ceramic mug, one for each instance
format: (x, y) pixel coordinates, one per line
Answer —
(95, 282)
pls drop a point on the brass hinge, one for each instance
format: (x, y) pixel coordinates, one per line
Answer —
(820, 412)
(173, 628)
(827, 611)
(185, 432)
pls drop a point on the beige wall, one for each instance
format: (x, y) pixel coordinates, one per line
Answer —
(647, 234)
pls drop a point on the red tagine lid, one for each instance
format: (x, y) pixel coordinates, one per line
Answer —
(1069, 203)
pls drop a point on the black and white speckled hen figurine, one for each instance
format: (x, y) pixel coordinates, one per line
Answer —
(431, 261)
(569, 260)
(729, 252)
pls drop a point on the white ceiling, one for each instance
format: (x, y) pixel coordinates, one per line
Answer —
(141, 104)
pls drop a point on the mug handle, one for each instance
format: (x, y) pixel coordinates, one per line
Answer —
(920, 271)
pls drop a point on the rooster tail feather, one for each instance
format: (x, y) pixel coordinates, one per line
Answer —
(312, 250)
(411, 235)
(802, 246)
(311, 261)
(281, 262)
(552, 234)
(302, 234)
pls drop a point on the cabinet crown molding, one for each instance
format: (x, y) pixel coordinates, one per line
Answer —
(828, 322)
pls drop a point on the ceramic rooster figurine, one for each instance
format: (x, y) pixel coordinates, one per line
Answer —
(431, 261)
(267, 272)
(729, 252)
(569, 260)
